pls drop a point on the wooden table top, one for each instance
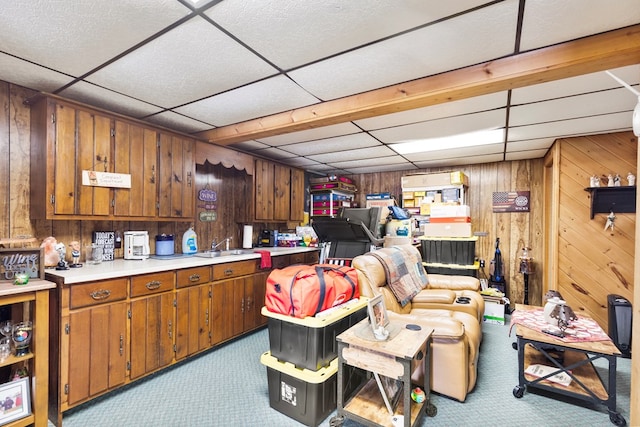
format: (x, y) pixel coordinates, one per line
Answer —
(603, 347)
(405, 344)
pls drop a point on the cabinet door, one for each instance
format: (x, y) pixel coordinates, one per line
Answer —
(192, 320)
(264, 194)
(94, 154)
(177, 171)
(282, 193)
(152, 328)
(136, 153)
(297, 195)
(226, 309)
(97, 355)
(65, 156)
(254, 291)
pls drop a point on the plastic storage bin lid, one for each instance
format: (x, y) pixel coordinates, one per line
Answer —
(320, 321)
(306, 375)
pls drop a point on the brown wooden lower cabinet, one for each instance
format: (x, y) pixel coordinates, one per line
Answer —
(107, 333)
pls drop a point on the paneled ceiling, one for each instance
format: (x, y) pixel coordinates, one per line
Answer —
(206, 66)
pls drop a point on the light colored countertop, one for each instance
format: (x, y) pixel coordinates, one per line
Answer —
(8, 288)
(121, 267)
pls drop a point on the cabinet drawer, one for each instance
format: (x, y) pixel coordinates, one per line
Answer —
(193, 276)
(154, 283)
(300, 258)
(234, 269)
(100, 292)
(280, 261)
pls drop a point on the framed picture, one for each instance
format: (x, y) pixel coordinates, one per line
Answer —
(378, 313)
(15, 401)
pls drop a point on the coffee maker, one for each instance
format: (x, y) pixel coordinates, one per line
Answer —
(268, 238)
(136, 245)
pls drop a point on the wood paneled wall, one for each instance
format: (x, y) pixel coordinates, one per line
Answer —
(592, 262)
(15, 135)
(515, 230)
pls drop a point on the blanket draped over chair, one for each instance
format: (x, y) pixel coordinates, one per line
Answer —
(405, 273)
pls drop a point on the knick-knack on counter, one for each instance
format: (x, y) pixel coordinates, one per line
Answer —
(616, 180)
(610, 180)
(631, 178)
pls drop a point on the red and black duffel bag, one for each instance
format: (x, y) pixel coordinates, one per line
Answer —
(304, 290)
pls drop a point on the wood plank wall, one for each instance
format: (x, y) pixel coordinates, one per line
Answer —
(15, 190)
(593, 262)
(515, 230)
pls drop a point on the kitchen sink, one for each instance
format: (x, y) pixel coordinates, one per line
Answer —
(214, 254)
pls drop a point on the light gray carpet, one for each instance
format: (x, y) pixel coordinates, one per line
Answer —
(228, 387)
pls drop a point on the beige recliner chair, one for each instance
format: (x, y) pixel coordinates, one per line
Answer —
(457, 334)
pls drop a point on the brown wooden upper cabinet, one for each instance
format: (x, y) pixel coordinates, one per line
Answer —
(279, 192)
(69, 138)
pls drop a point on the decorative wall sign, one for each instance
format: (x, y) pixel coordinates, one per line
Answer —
(27, 261)
(510, 201)
(208, 196)
(106, 240)
(106, 179)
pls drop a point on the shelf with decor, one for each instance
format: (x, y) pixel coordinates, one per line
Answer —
(612, 199)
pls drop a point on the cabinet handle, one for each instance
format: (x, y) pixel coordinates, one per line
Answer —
(189, 179)
(100, 294)
(153, 174)
(249, 302)
(206, 317)
(170, 330)
(194, 277)
(153, 285)
(242, 305)
(121, 344)
(228, 272)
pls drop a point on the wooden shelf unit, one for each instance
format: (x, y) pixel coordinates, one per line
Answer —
(612, 199)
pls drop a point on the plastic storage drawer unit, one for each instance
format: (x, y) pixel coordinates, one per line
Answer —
(306, 396)
(310, 343)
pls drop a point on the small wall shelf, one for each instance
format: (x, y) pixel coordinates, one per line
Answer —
(616, 199)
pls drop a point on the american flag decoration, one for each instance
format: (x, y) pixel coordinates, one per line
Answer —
(510, 201)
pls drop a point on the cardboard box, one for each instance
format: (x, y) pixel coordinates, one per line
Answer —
(449, 219)
(493, 313)
(445, 211)
(450, 229)
(441, 179)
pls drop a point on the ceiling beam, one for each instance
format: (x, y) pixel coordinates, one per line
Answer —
(600, 52)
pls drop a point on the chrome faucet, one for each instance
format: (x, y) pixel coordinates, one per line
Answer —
(215, 246)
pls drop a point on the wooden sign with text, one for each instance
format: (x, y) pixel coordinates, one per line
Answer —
(29, 261)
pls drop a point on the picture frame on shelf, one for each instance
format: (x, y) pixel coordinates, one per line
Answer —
(15, 400)
(377, 313)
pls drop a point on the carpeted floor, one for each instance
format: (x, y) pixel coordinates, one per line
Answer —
(228, 387)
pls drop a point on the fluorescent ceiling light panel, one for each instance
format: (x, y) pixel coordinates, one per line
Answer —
(483, 137)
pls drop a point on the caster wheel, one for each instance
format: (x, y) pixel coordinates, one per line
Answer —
(336, 421)
(514, 345)
(518, 391)
(617, 419)
(431, 410)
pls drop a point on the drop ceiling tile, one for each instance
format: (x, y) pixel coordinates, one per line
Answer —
(269, 96)
(443, 127)
(329, 145)
(324, 132)
(76, 36)
(531, 144)
(178, 122)
(30, 75)
(575, 85)
(459, 161)
(475, 37)
(377, 161)
(112, 101)
(582, 126)
(274, 153)
(357, 154)
(605, 102)
(524, 155)
(249, 145)
(548, 22)
(190, 62)
(303, 32)
(456, 152)
(448, 109)
(302, 162)
(389, 168)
